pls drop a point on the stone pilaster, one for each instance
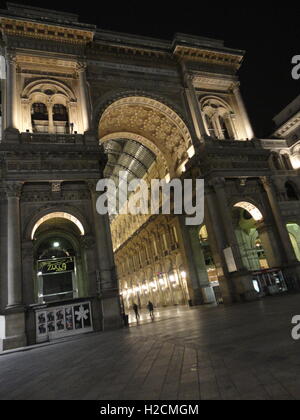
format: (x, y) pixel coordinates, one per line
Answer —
(108, 287)
(85, 108)
(14, 263)
(290, 256)
(243, 112)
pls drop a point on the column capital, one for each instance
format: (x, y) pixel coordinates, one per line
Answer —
(13, 189)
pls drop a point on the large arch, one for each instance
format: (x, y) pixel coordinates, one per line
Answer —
(65, 212)
(152, 120)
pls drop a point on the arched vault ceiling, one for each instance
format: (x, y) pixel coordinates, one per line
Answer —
(151, 120)
(127, 156)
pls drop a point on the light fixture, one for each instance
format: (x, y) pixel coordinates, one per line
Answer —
(56, 245)
(183, 274)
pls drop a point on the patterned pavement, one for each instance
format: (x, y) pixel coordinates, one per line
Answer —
(207, 353)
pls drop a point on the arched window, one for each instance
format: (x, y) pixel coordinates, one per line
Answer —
(210, 127)
(60, 113)
(61, 119)
(39, 117)
(217, 117)
(224, 129)
(291, 192)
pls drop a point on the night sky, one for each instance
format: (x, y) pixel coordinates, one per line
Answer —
(270, 36)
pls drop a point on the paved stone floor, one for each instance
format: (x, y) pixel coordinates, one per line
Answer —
(239, 352)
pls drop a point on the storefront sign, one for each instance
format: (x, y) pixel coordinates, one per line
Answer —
(56, 266)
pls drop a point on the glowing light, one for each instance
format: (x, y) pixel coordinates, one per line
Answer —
(172, 278)
(191, 152)
(255, 213)
(56, 245)
(183, 274)
(256, 286)
(295, 162)
(168, 178)
(58, 215)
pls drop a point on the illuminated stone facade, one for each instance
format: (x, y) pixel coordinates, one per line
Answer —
(79, 104)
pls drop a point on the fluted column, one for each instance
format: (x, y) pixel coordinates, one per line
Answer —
(11, 108)
(193, 103)
(85, 108)
(284, 235)
(243, 111)
(14, 267)
(50, 118)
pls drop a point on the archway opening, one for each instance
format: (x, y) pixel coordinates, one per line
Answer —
(145, 139)
(294, 232)
(58, 259)
(245, 218)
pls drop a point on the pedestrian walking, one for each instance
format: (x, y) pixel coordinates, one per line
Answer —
(136, 311)
(151, 310)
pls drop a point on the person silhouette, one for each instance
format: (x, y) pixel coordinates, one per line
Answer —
(136, 311)
(151, 310)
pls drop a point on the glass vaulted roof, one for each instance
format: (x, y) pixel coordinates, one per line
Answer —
(127, 156)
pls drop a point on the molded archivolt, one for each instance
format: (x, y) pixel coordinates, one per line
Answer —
(43, 85)
(68, 213)
(250, 208)
(58, 215)
(152, 121)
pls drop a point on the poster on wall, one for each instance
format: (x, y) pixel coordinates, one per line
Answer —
(63, 321)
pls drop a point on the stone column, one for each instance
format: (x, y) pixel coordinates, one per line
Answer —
(226, 217)
(243, 112)
(197, 278)
(30, 288)
(283, 233)
(14, 265)
(12, 322)
(50, 118)
(218, 242)
(11, 108)
(193, 103)
(84, 97)
(241, 280)
(109, 289)
(270, 244)
(199, 261)
(26, 116)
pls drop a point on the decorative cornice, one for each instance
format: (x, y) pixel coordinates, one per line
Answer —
(289, 126)
(209, 56)
(22, 28)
